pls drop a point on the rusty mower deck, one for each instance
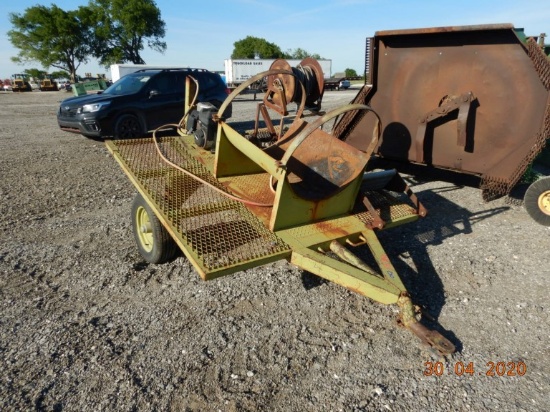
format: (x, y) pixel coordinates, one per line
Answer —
(471, 99)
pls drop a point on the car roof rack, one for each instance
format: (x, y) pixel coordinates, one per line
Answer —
(188, 69)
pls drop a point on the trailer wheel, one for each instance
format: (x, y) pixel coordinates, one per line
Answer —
(153, 241)
(128, 126)
(537, 201)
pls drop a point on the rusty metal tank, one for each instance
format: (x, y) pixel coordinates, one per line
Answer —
(473, 99)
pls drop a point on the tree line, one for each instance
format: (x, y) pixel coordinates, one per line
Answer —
(256, 47)
(111, 31)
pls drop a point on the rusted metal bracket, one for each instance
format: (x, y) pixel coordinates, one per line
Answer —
(398, 184)
(420, 209)
(268, 122)
(377, 221)
(448, 104)
(276, 88)
(387, 180)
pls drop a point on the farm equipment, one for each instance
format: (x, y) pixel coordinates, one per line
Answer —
(20, 83)
(288, 191)
(471, 99)
(48, 84)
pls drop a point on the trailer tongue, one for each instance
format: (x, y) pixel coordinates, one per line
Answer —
(304, 198)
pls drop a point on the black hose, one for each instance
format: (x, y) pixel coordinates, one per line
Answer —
(306, 76)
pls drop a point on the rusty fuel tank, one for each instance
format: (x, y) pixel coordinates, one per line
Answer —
(473, 99)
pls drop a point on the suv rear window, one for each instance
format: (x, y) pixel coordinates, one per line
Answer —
(128, 84)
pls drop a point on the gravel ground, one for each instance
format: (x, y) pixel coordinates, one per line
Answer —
(87, 325)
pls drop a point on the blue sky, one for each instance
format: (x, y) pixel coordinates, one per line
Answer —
(201, 33)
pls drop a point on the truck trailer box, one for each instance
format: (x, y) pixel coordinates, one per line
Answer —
(238, 71)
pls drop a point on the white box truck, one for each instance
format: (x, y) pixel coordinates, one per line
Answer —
(238, 71)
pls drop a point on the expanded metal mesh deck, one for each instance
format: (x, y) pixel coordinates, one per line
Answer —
(389, 208)
(219, 234)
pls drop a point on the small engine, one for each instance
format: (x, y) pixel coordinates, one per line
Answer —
(201, 124)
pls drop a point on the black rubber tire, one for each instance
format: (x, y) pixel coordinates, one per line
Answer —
(128, 126)
(153, 241)
(537, 201)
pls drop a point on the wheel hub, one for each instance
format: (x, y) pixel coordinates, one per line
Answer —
(544, 202)
(145, 233)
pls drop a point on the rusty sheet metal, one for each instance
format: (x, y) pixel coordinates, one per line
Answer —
(495, 134)
(319, 165)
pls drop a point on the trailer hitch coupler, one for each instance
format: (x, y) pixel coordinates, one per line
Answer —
(429, 337)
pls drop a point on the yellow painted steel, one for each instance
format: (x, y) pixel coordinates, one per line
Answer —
(145, 234)
(218, 235)
(221, 236)
(307, 240)
(386, 268)
(237, 156)
(344, 274)
(300, 200)
(544, 202)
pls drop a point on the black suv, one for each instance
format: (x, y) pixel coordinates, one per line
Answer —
(139, 102)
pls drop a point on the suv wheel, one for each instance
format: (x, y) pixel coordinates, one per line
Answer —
(128, 126)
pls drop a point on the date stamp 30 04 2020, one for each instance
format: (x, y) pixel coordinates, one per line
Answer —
(469, 369)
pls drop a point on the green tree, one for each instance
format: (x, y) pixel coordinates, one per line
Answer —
(351, 73)
(250, 47)
(51, 36)
(60, 74)
(300, 54)
(119, 29)
(36, 74)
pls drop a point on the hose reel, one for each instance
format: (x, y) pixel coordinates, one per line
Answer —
(283, 89)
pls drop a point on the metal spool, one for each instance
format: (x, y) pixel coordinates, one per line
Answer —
(308, 72)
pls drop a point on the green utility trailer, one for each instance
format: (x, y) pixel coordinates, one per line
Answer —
(93, 86)
(305, 198)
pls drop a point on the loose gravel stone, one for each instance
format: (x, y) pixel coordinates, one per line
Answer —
(87, 325)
